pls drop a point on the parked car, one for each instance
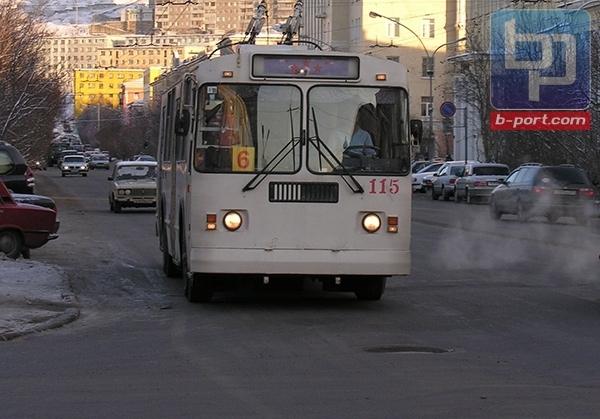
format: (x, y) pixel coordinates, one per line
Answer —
(419, 177)
(74, 165)
(39, 200)
(143, 157)
(24, 226)
(133, 185)
(99, 161)
(443, 180)
(478, 180)
(551, 191)
(14, 171)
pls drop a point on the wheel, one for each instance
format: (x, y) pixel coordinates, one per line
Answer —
(445, 196)
(11, 244)
(494, 211)
(169, 267)
(84, 174)
(468, 197)
(198, 288)
(552, 217)
(370, 289)
(434, 196)
(117, 207)
(521, 212)
(26, 252)
(457, 197)
(62, 174)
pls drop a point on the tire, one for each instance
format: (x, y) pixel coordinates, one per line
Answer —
(370, 289)
(84, 174)
(26, 252)
(494, 212)
(457, 197)
(117, 207)
(434, 196)
(169, 267)
(110, 204)
(552, 217)
(445, 196)
(468, 197)
(11, 243)
(521, 213)
(62, 174)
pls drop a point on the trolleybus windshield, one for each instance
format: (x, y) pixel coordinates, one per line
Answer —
(366, 128)
(242, 128)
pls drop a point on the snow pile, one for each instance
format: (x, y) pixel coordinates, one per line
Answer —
(31, 293)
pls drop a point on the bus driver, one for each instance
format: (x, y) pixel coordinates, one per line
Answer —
(361, 143)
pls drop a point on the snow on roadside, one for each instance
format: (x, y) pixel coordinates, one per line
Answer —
(28, 282)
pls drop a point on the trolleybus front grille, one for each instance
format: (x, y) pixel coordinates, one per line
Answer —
(303, 192)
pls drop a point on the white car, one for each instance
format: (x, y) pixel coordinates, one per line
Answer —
(74, 165)
(133, 185)
(419, 177)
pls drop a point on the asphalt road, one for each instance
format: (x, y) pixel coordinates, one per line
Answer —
(498, 319)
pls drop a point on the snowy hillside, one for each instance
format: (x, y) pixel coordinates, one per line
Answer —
(82, 12)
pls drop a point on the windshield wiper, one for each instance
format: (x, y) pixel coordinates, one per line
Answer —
(273, 163)
(317, 142)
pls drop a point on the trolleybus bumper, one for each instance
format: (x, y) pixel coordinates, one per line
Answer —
(300, 262)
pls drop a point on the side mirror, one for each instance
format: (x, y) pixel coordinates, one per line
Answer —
(110, 178)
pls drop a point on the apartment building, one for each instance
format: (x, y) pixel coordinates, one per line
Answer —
(214, 16)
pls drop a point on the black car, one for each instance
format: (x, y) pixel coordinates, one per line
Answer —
(39, 200)
(14, 171)
(551, 191)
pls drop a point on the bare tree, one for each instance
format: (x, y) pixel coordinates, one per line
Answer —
(31, 94)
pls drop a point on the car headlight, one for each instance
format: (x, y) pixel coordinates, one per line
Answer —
(232, 221)
(127, 191)
(371, 222)
(83, 167)
(121, 192)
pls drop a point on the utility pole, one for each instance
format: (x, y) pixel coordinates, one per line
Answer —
(465, 122)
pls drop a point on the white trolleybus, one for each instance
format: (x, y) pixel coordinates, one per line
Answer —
(282, 162)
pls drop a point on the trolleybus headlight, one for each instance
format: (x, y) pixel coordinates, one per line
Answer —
(371, 222)
(232, 221)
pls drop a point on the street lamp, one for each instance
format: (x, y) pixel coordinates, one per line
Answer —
(430, 67)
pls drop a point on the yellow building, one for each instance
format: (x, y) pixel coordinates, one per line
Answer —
(100, 86)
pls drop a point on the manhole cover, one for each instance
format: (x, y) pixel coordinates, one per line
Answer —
(407, 349)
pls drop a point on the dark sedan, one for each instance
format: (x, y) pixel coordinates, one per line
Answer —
(14, 172)
(550, 191)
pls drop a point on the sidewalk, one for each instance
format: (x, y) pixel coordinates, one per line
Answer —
(33, 297)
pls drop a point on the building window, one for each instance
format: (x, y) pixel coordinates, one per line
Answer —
(393, 28)
(426, 105)
(426, 64)
(428, 28)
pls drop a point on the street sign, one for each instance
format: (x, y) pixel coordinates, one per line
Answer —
(447, 109)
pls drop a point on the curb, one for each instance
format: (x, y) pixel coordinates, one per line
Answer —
(66, 317)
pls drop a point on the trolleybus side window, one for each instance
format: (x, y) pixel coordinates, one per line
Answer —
(366, 128)
(179, 140)
(169, 134)
(247, 127)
